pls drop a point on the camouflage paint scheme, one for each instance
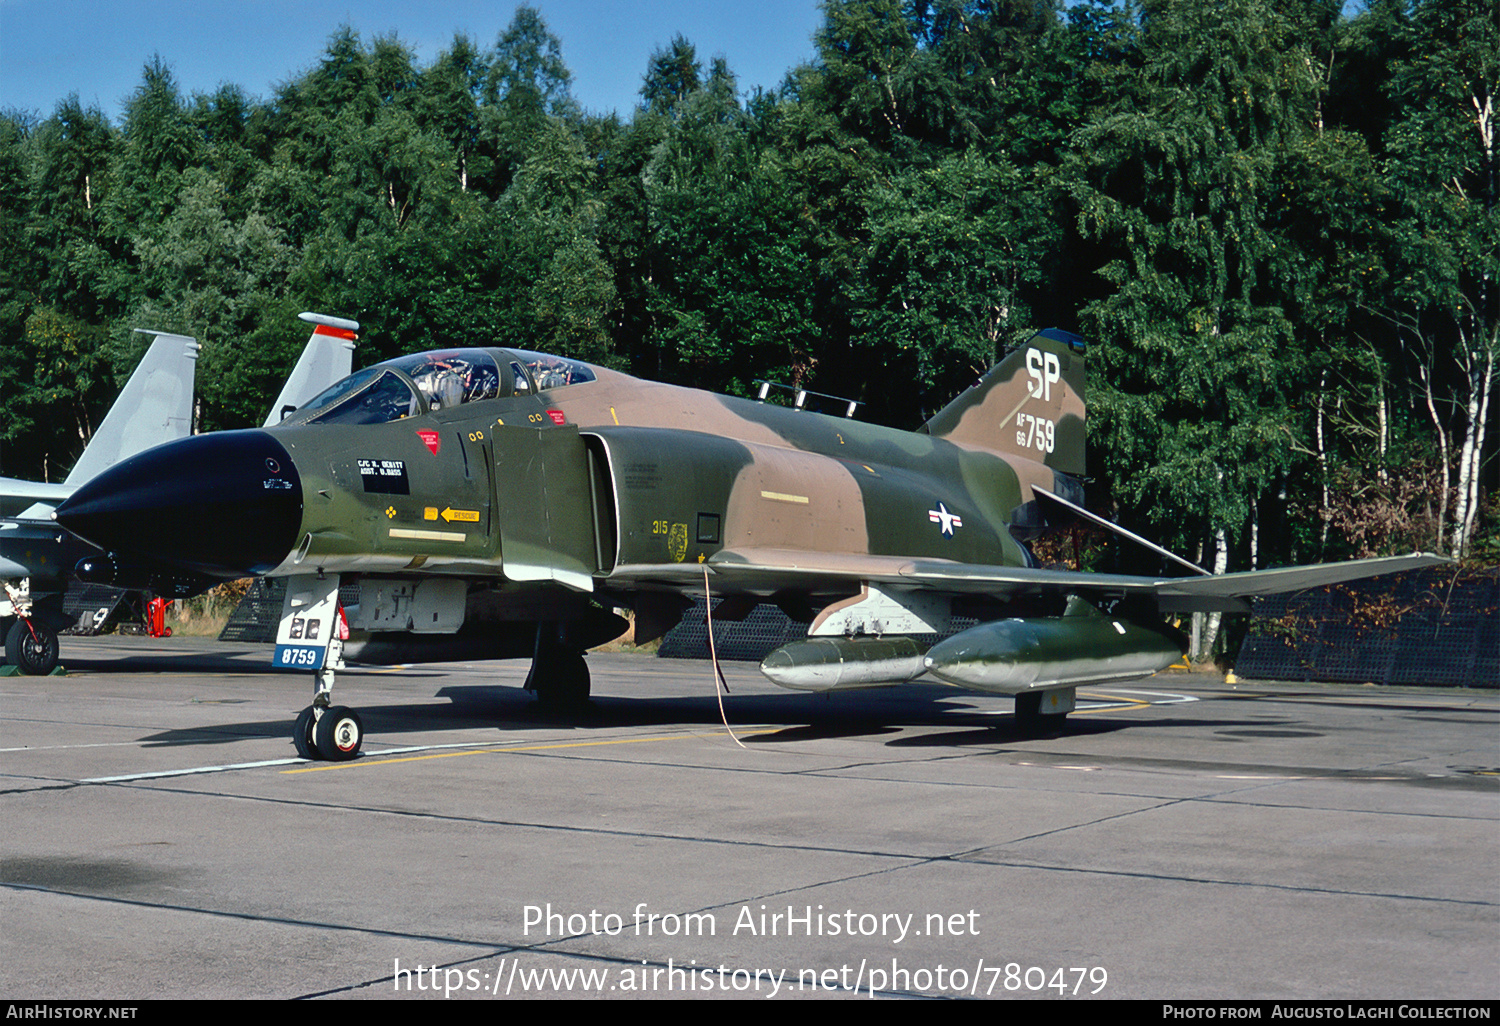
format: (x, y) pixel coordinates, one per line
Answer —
(622, 481)
(549, 491)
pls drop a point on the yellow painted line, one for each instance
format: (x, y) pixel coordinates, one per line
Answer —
(615, 415)
(1128, 703)
(784, 497)
(523, 748)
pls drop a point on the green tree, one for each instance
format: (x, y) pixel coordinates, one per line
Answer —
(158, 142)
(865, 71)
(70, 183)
(954, 248)
(452, 90)
(673, 74)
(206, 274)
(1443, 291)
(1193, 406)
(527, 84)
(57, 386)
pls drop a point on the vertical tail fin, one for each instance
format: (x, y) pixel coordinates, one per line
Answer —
(1030, 404)
(328, 357)
(155, 406)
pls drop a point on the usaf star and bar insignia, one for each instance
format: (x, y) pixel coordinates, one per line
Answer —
(950, 521)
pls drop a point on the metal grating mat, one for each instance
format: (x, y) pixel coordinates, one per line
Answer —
(1435, 626)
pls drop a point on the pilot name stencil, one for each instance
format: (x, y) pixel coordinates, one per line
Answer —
(385, 476)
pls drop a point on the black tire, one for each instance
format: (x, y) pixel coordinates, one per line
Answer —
(1029, 719)
(339, 734)
(31, 648)
(302, 735)
(564, 686)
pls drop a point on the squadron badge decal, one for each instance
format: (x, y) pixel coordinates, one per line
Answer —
(677, 540)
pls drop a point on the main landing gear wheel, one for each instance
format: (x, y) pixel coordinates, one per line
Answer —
(338, 734)
(561, 683)
(31, 647)
(559, 675)
(302, 734)
(1029, 719)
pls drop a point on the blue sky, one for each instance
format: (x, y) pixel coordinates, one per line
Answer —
(96, 48)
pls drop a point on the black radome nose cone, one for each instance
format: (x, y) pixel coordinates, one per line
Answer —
(226, 504)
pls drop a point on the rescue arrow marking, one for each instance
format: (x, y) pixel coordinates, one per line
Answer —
(467, 516)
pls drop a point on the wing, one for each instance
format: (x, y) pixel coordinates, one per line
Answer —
(767, 571)
(34, 491)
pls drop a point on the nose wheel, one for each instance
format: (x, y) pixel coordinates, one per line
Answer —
(334, 734)
(302, 734)
(31, 647)
(324, 730)
(338, 734)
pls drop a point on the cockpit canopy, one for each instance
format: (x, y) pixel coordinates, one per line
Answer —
(411, 385)
(549, 372)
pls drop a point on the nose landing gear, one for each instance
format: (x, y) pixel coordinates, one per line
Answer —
(326, 731)
(31, 647)
(312, 635)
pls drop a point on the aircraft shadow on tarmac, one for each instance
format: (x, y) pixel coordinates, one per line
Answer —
(803, 717)
(197, 662)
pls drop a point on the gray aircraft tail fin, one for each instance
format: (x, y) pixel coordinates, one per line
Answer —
(156, 406)
(328, 357)
(1030, 404)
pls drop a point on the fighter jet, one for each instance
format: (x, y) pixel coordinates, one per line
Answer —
(155, 406)
(505, 501)
(36, 558)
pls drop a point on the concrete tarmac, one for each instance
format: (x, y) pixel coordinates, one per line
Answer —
(1181, 838)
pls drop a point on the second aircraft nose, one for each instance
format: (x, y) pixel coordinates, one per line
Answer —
(226, 504)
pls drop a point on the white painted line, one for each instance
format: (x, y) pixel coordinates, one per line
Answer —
(1167, 697)
(188, 772)
(49, 748)
(229, 767)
